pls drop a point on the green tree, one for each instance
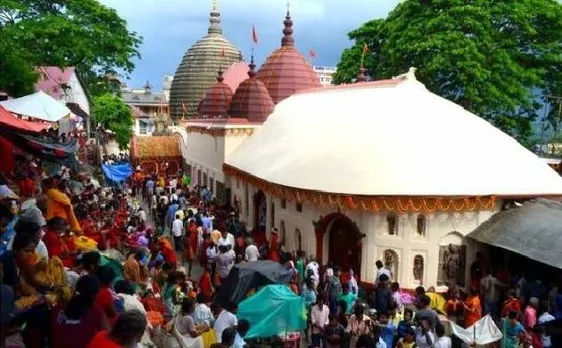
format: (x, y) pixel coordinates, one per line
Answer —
(112, 114)
(493, 57)
(80, 33)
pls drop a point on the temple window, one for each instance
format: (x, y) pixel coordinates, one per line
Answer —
(299, 207)
(421, 225)
(283, 204)
(298, 239)
(390, 260)
(392, 224)
(418, 269)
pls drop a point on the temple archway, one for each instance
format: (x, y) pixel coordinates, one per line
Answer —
(338, 240)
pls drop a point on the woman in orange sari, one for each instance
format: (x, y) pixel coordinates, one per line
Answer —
(511, 304)
(274, 246)
(59, 204)
(472, 308)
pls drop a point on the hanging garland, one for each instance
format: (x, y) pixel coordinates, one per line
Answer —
(403, 204)
(221, 132)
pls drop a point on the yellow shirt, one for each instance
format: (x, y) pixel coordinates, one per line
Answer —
(438, 302)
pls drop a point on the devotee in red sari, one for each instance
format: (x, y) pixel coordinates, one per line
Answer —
(167, 251)
(206, 283)
(56, 242)
(274, 246)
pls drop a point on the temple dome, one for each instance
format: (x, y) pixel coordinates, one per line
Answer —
(217, 99)
(235, 74)
(389, 138)
(251, 99)
(197, 70)
(286, 71)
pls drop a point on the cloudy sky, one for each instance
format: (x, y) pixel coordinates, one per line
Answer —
(169, 27)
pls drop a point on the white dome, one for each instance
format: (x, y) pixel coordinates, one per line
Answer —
(389, 138)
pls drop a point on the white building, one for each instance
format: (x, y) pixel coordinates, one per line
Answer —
(384, 170)
(325, 74)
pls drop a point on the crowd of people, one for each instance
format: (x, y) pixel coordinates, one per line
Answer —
(140, 265)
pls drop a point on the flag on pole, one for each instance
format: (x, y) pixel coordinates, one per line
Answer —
(254, 35)
(365, 50)
(312, 54)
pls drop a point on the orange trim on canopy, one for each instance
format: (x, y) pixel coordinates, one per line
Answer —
(399, 204)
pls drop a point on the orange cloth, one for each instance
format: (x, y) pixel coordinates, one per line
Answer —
(274, 245)
(131, 270)
(58, 204)
(512, 304)
(475, 313)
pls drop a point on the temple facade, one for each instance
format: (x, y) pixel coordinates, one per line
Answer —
(354, 174)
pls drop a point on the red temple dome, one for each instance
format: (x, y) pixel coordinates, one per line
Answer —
(217, 99)
(286, 71)
(251, 99)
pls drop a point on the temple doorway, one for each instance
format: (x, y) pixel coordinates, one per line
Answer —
(260, 212)
(344, 243)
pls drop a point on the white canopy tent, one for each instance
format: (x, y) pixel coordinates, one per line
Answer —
(37, 105)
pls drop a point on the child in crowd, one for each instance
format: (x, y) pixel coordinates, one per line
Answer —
(334, 333)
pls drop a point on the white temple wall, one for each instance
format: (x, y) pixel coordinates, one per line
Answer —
(441, 229)
(206, 153)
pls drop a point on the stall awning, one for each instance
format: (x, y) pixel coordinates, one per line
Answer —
(7, 119)
(533, 230)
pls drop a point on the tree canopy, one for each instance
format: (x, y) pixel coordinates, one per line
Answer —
(111, 113)
(498, 59)
(80, 33)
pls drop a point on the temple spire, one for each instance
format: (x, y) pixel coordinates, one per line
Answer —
(252, 72)
(215, 19)
(288, 39)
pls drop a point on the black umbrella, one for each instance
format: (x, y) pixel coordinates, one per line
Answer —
(250, 275)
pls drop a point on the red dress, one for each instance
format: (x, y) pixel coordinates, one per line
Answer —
(102, 340)
(56, 246)
(105, 302)
(206, 285)
(274, 245)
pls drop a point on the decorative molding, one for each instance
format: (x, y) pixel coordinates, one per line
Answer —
(221, 132)
(398, 204)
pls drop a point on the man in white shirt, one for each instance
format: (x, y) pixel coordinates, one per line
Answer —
(226, 239)
(177, 231)
(225, 320)
(141, 215)
(545, 317)
(252, 253)
(319, 318)
(382, 270)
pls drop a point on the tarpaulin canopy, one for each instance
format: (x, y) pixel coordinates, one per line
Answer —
(483, 332)
(8, 119)
(272, 311)
(37, 105)
(117, 173)
(532, 230)
(47, 149)
(251, 275)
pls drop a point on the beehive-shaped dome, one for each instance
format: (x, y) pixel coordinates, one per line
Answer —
(216, 100)
(197, 70)
(286, 71)
(251, 99)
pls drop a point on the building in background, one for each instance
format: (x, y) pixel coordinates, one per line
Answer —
(152, 104)
(65, 85)
(325, 74)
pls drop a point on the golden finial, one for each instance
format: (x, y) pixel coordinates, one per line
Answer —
(215, 5)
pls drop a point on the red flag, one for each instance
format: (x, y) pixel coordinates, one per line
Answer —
(254, 35)
(312, 54)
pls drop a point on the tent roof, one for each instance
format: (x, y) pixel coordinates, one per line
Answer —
(37, 105)
(6, 118)
(532, 230)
